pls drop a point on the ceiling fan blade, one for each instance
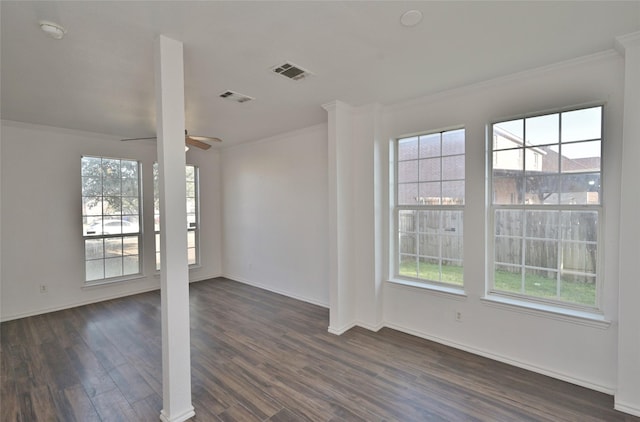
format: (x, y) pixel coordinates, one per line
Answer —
(204, 138)
(191, 141)
(138, 139)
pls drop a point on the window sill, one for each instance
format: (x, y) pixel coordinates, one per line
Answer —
(450, 292)
(100, 283)
(589, 319)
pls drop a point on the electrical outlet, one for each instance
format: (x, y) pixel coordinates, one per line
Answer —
(458, 316)
(43, 288)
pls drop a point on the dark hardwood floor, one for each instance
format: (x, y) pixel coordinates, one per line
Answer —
(259, 356)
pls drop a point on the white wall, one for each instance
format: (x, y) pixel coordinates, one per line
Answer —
(42, 224)
(275, 214)
(565, 348)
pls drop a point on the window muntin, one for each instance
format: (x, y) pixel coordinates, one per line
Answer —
(430, 184)
(193, 222)
(546, 207)
(111, 217)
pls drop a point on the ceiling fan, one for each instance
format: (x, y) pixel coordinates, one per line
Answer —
(190, 140)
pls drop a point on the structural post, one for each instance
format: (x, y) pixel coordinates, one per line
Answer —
(341, 282)
(627, 398)
(174, 272)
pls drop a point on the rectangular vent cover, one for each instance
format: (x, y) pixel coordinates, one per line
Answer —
(237, 97)
(291, 71)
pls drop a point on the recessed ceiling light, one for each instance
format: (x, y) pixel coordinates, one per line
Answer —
(52, 29)
(411, 18)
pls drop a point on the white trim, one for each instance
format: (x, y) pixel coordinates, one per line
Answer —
(276, 138)
(342, 330)
(623, 41)
(76, 304)
(456, 293)
(187, 414)
(530, 73)
(610, 390)
(278, 291)
(557, 313)
(626, 408)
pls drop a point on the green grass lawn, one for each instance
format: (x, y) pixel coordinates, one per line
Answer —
(574, 292)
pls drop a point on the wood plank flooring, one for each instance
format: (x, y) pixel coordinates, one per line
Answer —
(259, 356)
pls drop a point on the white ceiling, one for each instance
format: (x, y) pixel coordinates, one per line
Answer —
(99, 78)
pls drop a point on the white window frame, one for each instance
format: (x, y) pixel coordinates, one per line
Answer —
(545, 302)
(89, 236)
(397, 208)
(195, 228)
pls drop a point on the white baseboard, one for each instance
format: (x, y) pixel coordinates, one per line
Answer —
(186, 415)
(278, 291)
(627, 408)
(76, 304)
(610, 390)
(341, 330)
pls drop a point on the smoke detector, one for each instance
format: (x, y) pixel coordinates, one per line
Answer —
(53, 30)
(235, 96)
(291, 71)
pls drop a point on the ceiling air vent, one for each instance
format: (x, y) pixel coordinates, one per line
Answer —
(291, 71)
(234, 96)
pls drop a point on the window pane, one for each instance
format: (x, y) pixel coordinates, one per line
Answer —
(408, 149)
(508, 134)
(130, 205)
(408, 266)
(508, 250)
(580, 189)
(191, 256)
(429, 193)
(541, 283)
(452, 248)
(408, 171)
(93, 249)
(582, 124)
(191, 189)
(429, 269)
(430, 169)
(453, 167)
(508, 190)
(452, 222)
(113, 247)
(113, 267)
(541, 190)
(541, 253)
(408, 243)
(540, 160)
(92, 226)
(452, 272)
(407, 221)
(110, 168)
(407, 194)
(453, 142)
(130, 245)
(191, 239)
(130, 187)
(581, 157)
(430, 145)
(112, 205)
(579, 226)
(131, 264)
(578, 289)
(91, 166)
(579, 257)
(92, 206)
(543, 130)
(508, 278)
(94, 270)
(507, 161)
(509, 222)
(453, 193)
(91, 186)
(111, 186)
(129, 170)
(542, 224)
(190, 173)
(430, 245)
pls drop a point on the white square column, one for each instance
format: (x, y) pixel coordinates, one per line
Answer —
(174, 271)
(627, 398)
